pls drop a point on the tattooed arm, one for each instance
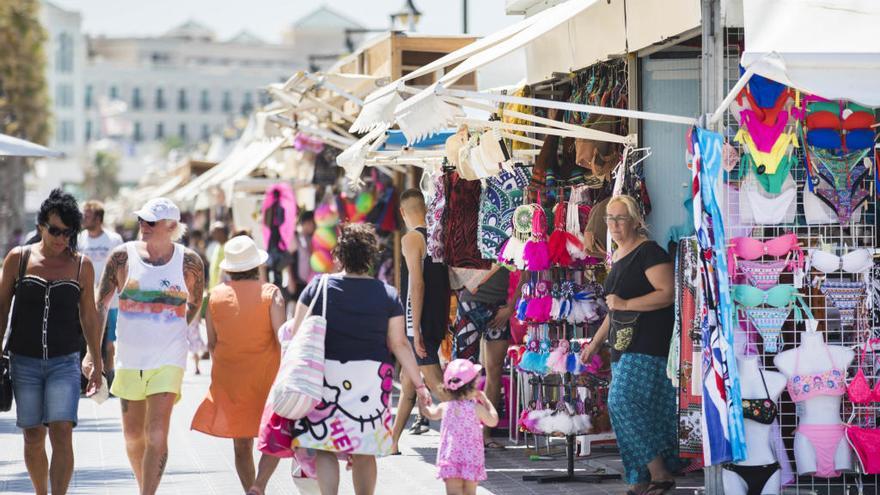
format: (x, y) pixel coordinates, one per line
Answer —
(194, 275)
(116, 269)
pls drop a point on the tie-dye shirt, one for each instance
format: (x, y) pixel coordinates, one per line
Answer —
(151, 326)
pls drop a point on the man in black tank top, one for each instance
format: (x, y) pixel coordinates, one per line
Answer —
(425, 296)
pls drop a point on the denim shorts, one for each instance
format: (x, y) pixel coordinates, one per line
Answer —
(45, 390)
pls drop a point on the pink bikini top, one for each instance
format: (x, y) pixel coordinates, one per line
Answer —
(803, 387)
(859, 390)
(751, 249)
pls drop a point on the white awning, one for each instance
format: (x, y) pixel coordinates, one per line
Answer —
(13, 146)
(245, 158)
(580, 33)
(827, 48)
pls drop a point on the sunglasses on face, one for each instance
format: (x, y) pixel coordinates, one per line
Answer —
(57, 231)
(151, 224)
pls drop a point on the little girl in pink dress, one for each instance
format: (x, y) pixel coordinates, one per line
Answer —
(460, 458)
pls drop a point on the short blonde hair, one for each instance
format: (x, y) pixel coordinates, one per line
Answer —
(632, 209)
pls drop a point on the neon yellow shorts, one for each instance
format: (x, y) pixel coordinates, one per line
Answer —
(138, 384)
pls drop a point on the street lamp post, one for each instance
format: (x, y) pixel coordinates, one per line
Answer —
(407, 17)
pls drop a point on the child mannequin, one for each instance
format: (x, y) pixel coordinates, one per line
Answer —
(460, 456)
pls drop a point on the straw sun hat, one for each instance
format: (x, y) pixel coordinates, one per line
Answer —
(242, 254)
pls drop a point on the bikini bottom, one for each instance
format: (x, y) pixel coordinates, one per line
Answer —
(756, 477)
(762, 274)
(825, 440)
(845, 196)
(846, 297)
(768, 322)
(844, 202)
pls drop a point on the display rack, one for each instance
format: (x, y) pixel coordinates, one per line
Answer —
(857, 234)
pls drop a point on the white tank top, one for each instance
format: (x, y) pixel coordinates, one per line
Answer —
(151, 326)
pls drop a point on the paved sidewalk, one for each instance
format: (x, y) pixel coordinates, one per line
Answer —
(200, 464)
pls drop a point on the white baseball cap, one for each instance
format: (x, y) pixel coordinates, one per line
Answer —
(159, 209)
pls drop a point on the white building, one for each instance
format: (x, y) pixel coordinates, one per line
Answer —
(185, 83)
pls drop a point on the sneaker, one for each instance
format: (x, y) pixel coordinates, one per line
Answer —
(420, 425)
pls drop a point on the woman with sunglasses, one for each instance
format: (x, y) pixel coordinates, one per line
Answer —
(54, 294)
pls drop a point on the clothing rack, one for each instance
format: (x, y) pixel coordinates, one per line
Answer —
(570, 476)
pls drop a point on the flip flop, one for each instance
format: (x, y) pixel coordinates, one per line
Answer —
(493, 445)
(659, 487)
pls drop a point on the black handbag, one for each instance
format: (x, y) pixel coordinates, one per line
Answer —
(5, 371)
(5, 383)
(623, 328)
(624, 324)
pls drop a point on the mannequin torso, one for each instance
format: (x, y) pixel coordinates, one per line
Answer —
(818, 452)
(759, 443)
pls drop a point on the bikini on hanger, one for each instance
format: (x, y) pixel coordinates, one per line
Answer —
(763, 208)
(768, 310)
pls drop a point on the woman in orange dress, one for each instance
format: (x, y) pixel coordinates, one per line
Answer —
(243, 318)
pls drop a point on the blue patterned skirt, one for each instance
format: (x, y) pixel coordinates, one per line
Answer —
(643, 412)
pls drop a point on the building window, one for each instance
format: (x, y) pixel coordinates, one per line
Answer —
(64, 96)
(137, 102)
(64, 53)
(160, 99)
(206, 132)
(88, 130)
(205, 101)
(160, 131)
(247, 105)
(182, 132)
(138, 132)
(89, 96)
(65, 131)
(114, 93)
(182, 103)
(227, 101)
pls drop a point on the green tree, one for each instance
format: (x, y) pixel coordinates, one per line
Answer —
(24, 104)
(100, 179)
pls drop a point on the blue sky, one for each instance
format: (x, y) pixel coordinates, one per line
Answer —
(268, 18)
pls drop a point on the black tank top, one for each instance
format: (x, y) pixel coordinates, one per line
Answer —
(45, 314)
(435, 306)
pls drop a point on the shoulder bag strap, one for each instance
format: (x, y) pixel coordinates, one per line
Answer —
(322, 286)
(326, 280)
(22, 263)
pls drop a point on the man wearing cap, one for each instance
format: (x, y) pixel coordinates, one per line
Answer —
(160, 285)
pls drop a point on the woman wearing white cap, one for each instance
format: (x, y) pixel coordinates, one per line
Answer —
(243, 318)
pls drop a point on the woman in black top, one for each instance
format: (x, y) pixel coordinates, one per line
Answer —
(54, 298)
(641, 400)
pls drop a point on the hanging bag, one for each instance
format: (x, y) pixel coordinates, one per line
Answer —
(299, 385)
(623, 324)
(5, 382)
(5, 372)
